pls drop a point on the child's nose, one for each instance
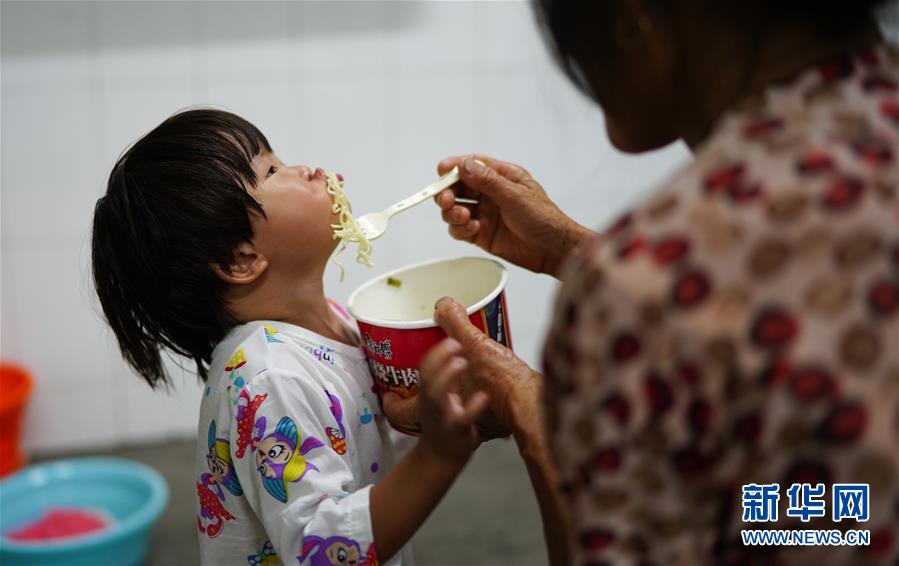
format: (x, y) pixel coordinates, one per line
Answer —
(305, 172)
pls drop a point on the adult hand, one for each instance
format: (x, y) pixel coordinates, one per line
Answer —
(400, 410)
(515, 403)
(513, 388)
(513, 219)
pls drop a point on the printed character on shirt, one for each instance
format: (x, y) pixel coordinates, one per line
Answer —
(335, 551)
(307, 495)
(289, 467)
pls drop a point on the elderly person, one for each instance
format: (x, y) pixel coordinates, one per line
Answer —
(740, 326)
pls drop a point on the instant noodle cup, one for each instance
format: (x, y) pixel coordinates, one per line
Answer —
(395, 315)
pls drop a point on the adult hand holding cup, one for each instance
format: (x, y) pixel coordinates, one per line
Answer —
(394, 314)
(455, 324)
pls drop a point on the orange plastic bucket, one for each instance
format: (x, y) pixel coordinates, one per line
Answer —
(15, 387)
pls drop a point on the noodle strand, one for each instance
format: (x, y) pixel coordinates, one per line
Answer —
(347, 229)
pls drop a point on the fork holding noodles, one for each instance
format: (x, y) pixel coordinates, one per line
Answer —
(361, 231)
(347, 228)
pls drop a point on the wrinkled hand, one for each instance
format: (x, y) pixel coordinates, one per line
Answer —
(514, 218)
(513, 388)
(447, 422)
(408, 410)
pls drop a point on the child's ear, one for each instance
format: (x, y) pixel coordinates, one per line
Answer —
(246, 265)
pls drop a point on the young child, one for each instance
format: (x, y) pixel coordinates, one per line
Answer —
(208, 246)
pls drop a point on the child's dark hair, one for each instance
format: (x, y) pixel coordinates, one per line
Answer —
(176, 204)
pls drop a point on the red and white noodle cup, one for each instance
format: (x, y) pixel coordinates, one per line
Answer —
(395, 315)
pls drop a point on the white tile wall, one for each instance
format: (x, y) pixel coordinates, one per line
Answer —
(380, 91)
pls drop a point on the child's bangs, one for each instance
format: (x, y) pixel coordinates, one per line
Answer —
(239, 143)
(249, 140)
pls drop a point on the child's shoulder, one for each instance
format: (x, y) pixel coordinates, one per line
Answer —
(254, 358)
(261, 350)
(234, 347)
(252, 349)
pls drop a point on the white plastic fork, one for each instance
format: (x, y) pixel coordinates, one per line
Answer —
(374, 224)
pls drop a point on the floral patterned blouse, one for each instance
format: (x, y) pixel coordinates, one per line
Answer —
(737, 334)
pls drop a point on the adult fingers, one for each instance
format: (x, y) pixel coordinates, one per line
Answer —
(444, 166)
(511, 171)
(458, 215)
(479, 180)
(445, 199)
(465, 232)
(487, 180)
(474, 408)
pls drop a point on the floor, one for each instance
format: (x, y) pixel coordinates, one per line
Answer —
(488, 518)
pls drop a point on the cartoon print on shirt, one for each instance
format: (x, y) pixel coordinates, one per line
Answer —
(212, 516)
(270, 335)
(238, 359)
(282, 451)
(265, 556)
(325, 355)
(280, 456)
(371, 556)
(335, 551)
(235, 380)
(337, 436)
(246, 413)
(221, 467)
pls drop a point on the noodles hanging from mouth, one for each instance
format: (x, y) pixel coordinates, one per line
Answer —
(347, 229)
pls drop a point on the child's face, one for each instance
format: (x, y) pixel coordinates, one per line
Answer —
(296, 232)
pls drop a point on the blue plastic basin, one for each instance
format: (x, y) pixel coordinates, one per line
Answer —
(133, 494)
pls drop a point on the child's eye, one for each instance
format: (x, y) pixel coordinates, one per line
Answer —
(271, 171)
